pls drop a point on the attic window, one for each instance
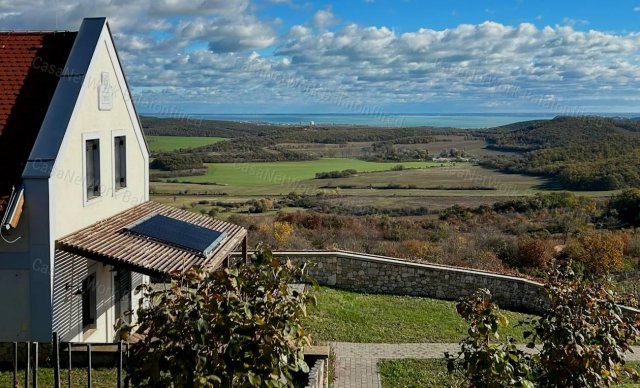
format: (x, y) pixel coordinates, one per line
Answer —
(92, 168)
(120, 160)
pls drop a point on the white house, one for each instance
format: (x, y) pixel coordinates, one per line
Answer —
(78, 232)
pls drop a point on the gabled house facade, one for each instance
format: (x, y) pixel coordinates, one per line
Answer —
(73, 181)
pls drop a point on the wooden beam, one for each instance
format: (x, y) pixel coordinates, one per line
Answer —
(245, 250)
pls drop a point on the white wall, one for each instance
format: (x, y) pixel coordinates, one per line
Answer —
(71, 212)
(71, 270)
(56, 207)
(70, 209)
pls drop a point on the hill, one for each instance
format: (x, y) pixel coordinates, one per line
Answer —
(578, 153)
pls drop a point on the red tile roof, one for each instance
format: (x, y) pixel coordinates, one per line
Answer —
(30, 65)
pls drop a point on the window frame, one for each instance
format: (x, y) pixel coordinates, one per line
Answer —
(86, 137)
(114, 135)
(89, 302)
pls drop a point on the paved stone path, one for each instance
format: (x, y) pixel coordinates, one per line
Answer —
(356, 364)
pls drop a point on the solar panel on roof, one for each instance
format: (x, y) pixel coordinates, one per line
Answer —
(179, 233)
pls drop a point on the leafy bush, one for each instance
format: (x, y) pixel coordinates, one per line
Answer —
(597, 253)
(583, 336)
(626, 207)
(176, 162)
(336, 174)
(534, 253)
(488, 364)
(261, 205)
(241, 326)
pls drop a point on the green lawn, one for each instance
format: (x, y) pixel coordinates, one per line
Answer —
(100, 378)
(354, 317)
(279, 173)
(430, 373)
(172, 143)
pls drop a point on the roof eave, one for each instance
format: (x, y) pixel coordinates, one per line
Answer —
(52, 132)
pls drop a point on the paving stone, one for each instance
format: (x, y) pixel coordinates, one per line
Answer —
(357, 363)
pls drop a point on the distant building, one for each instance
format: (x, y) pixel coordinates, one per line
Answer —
(78, 233)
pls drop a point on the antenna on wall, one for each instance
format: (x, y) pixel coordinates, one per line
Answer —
(12, 213)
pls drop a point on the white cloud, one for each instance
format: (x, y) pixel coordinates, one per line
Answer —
(229, 34)
(324, 18)
(184, 53)
(575, 22)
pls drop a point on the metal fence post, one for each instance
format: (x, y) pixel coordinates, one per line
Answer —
(119, 364)
(56, 360)
(128, 378)
(88, 365)
(69, 363)
(27, 370)
(15, 365)
(35, 365)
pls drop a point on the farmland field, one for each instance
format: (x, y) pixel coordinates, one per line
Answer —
(429, 179)
(172, 143)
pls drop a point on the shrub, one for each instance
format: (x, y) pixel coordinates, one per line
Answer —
(174, 162)
(583, 335)
(485, 363)
(282, 230)
(241, 326)
(261, 205)
(534, 253)
(626, 207)
(336, 174)
(598, 253)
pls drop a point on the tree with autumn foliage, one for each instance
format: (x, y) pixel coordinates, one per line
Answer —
(598, 252)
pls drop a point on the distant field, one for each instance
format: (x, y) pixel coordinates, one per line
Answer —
(277, 178)
(278, 173)
(172, 143)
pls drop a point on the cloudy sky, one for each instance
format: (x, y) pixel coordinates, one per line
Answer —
(359, 56)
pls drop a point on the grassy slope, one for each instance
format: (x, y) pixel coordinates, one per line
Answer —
(354, 317)
(428, 373)
(171, 143)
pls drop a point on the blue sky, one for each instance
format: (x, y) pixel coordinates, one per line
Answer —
(409, 15)
(365, 56)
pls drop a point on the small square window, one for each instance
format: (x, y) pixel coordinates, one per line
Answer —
(120, 157)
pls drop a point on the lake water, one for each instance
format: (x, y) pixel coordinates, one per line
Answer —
(378, 120)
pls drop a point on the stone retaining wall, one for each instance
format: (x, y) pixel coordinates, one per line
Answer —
(319, 375)
(386, 275)
(383, 275)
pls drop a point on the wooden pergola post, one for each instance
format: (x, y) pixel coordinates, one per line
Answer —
(245, 250)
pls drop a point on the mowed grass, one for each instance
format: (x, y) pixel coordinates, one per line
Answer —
(283, 173)
(172, 143)
(409, 373)
(281, 178)
(100, 377)
(354, 317)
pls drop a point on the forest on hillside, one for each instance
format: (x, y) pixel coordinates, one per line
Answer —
(587, 153)
(573, 153)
